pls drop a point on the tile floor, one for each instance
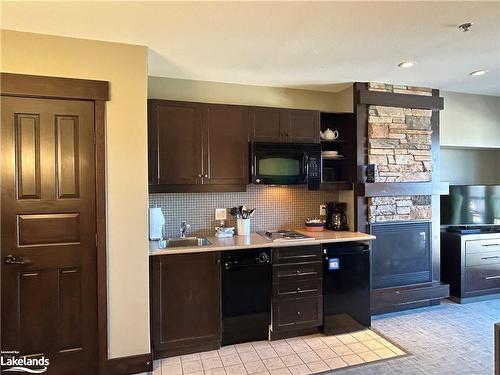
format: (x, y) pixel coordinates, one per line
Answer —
(297, 356)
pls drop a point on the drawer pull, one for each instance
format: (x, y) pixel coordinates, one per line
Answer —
(491, 244)
(492, 257)
(299, 313)
(298, 289)
(298, 256)
(492, 277)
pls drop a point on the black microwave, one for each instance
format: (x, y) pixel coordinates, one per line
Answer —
(286, 164)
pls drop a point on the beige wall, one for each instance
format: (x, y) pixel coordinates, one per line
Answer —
(470, 138)
(470, 166)
(125, 67)
(470, 120)
(230, 93)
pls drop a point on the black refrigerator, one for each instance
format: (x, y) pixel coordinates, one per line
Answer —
(346, 287)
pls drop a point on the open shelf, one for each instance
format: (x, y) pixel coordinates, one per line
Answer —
(340, 169)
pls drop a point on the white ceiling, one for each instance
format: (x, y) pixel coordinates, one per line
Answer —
(314, 45)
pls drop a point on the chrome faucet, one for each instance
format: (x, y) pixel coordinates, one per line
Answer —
(184, 227)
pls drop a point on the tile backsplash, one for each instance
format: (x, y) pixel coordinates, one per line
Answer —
(277, 207)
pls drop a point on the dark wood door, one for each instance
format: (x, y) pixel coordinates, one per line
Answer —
(266, 125)
(185, 303)
(226, 146)
(48, 223)
(175, 150)
(303, 126)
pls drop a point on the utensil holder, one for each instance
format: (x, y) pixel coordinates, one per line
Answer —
(243, 226)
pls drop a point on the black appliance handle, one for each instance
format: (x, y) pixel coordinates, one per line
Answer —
(232, 266)
(346, 251)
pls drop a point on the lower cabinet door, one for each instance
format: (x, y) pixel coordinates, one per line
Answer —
(297, 313)
(185, 303)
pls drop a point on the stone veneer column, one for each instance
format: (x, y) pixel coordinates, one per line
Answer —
(399, 144)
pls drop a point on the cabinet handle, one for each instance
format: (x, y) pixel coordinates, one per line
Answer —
(206, 175)
(492, 257)
(492, 277)
(297, 272)
(200, 175)
(491, 244)
(299, 313)
(298, 289)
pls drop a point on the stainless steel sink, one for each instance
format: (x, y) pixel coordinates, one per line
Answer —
(187, 242)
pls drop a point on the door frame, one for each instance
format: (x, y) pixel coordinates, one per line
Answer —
(42, 87)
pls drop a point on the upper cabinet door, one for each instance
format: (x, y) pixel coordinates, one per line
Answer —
(303, 126)
(225, 145)
(266, 125)
(175, 153)
(284, 125)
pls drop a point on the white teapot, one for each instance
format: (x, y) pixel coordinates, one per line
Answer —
(329, 135)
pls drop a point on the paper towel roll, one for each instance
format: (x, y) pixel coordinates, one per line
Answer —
(156, 222)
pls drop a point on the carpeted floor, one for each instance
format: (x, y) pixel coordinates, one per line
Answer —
(445, 339)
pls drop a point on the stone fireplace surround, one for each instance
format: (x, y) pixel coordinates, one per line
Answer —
(397, 131)
(399, 145)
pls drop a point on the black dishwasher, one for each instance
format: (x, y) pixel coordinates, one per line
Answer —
(346, 287)
(246, 295)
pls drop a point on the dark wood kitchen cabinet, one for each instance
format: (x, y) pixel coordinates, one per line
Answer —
(197, 146)
(226, 146)
(284, 125)
(185, 303)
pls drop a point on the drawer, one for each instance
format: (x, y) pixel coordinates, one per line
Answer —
(296, 289)
(481, 246)
(482, 277)
(297, 313)
(482, 259)
(296, 272)
(296, 254)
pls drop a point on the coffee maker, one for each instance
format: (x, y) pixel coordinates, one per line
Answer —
(336, 218)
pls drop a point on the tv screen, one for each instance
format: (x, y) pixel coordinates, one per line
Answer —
(471, 205)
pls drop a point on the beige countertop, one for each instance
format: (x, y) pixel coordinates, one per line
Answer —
(255, 240)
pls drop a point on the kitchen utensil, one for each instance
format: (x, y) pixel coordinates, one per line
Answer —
(315, 224)
(243, 227)
(330, 156)
(331, 152)
(329, 135)
(241, 212)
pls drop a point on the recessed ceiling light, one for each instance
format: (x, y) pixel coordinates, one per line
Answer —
(406, 64)
(478, 73)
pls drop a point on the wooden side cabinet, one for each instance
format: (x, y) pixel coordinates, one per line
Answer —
(471, 265)
(185, 303)
(197, 147)
(284, 125)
